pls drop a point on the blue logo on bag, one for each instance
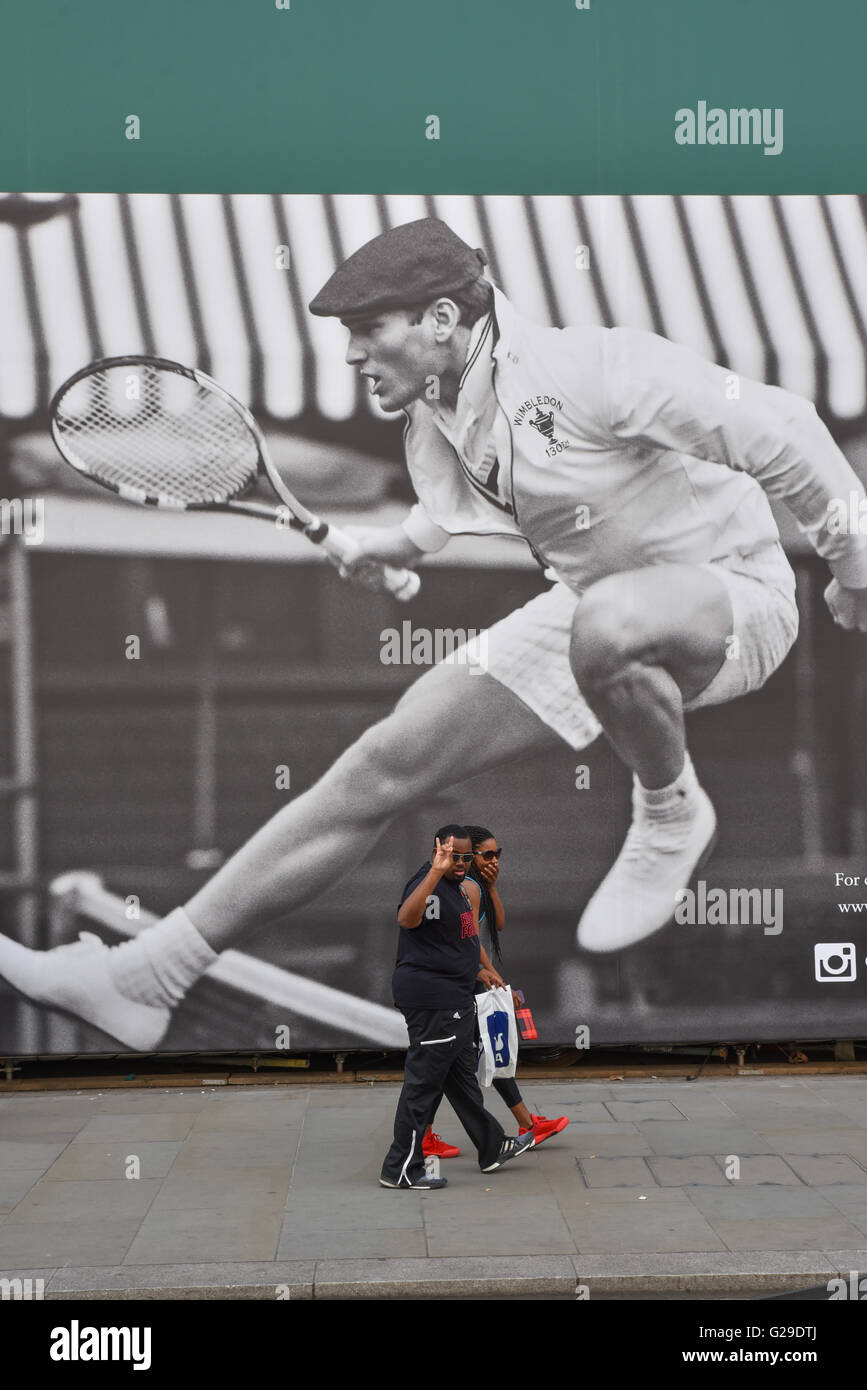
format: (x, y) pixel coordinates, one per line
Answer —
(498, 1032)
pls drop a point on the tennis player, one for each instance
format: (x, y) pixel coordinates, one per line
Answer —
(638, 472)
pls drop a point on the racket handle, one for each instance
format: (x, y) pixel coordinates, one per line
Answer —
(404, 584)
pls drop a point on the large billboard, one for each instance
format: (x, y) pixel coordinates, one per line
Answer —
(181, 686)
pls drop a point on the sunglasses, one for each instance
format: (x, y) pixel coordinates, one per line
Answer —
(489, 853)
(462, 858)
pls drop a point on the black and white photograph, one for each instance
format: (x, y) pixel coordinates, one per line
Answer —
(332, 520)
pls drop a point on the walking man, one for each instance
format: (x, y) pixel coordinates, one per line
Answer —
(438, 963)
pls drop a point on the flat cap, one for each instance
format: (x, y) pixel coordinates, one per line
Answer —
(405, 265)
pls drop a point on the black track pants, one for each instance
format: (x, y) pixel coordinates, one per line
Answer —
(441, 1060)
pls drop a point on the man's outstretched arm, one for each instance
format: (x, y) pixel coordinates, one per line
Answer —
(672, 397)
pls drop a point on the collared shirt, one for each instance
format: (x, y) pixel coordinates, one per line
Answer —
(627, 450)
(478, 432)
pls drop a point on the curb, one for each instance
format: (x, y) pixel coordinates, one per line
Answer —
(528, 1276)
(530, 1071)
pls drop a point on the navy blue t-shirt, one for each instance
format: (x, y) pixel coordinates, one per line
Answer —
(438, 961)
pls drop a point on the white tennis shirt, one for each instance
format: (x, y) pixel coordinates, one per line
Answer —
(615, 449)
(478, 432)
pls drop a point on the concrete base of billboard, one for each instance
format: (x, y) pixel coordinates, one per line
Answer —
(738, 1188)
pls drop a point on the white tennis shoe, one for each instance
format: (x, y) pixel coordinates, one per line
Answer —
(638, 896)
(77, 980)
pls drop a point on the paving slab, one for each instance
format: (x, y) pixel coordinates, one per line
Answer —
(636, 1111)
(127, 1102)
(793, 1233)
(704, 1136)
(109, 1159)
(129, 1127)
(559, 1158)
(552, 1096)
(204, 1235)
(342, 1125)
(587, 1112)
(758, 1169)
(536, 1226)
(320, 1163)
(259, 1116)
(614, 1141)
(701, 1105)
(779, 1098)
(616, 1172)
(623, 1197)
(31, 1154)
(854, 1111)
(615, 1228)
(65, 1242)
(778, 1119)
(339, 1210)
(220, 1150)
(63, 1124)
(260, 1188)
(851, 1200)
(814, 1139)
(113, 1199)
(686, 1172)
(15, 1185)
(393, 1242)
(828, 1168)
(758, 1200)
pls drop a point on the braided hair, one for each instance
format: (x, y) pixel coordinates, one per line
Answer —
(478, 834)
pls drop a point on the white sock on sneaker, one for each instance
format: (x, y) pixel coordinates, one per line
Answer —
(675, 800)
(163, 961)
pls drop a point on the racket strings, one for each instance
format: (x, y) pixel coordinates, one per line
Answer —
(157, 436)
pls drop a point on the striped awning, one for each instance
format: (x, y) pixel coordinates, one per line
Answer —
(773, 287)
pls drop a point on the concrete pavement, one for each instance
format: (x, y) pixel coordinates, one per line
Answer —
(738, 1185)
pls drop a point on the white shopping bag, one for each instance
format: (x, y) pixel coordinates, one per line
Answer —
(498, 1034)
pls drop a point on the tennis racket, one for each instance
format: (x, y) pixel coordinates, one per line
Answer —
(164, 435)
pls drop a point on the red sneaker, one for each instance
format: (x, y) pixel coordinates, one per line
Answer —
(544, 1128)
(434, 1146)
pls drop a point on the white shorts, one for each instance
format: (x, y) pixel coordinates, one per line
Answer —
(528, 651)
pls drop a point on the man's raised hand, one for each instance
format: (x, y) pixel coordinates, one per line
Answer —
(442, 859)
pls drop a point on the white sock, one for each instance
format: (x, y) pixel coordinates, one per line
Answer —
(673, 801)
(163, 961)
